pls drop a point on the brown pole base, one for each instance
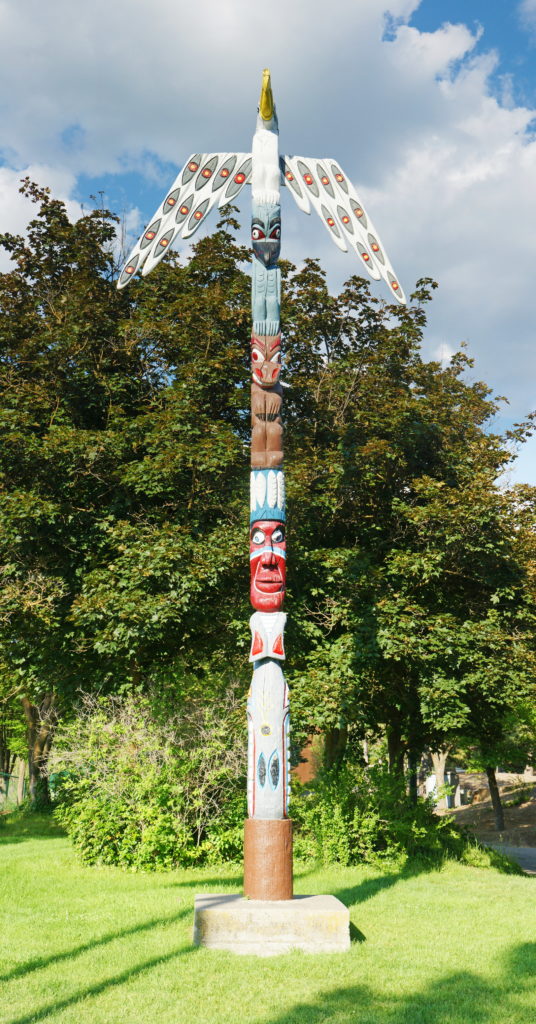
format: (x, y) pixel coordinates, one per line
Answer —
(268, 859)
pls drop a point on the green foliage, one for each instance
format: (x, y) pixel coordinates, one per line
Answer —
(124, 432)
(147, 790)
(355, 814)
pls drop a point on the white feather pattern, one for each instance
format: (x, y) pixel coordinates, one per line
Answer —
(186, 205)
(336, 201)
(280, 490)
(272, 489)
(260, 489)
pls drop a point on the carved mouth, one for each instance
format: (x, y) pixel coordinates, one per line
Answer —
(269, 581)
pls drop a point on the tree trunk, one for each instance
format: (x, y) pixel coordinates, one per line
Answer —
(395, 749)
(20, 783)
(495, 799)
(334, 746)
(41, 720)
(412, 778)
(439, 760)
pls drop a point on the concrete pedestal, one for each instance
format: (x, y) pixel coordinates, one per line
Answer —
(314, 924)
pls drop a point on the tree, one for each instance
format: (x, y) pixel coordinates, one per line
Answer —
(123, 512)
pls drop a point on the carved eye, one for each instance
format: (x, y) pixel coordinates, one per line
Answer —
(276, 232)
(278, 535)
(257, 537)
(257, 355)
(257, 234)
(276, 358)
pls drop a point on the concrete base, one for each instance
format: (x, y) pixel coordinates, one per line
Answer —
(314, 924)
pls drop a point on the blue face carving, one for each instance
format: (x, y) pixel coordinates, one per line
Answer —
(266, 232)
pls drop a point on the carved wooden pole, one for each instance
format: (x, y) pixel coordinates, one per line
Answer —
(320, 184)
(268, 830)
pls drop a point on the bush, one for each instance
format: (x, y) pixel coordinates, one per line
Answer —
(356, 814)
(138, 791)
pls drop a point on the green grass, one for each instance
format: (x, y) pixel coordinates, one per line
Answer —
(101, 946)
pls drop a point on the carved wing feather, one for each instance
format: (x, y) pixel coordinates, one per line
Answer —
(322, 183)
(205, 179)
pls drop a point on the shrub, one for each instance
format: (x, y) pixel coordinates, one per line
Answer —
(142, 790)
(355, 814)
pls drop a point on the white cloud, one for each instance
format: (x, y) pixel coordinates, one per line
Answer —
(527, 14)
(16, 210)
(447, 168)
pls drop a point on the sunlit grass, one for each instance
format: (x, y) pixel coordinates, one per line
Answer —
(101, 946)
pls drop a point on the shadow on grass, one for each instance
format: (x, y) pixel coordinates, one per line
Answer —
(19, 825)
(461, 997)
(370, 887)
(102, 986)
(38, 962)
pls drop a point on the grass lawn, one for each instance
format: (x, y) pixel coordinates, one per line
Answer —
(101, 946)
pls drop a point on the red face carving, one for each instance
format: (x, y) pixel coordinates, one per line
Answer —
(266, 359)
(268, 551)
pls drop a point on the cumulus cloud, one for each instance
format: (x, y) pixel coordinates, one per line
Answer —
(446, 165)
(527, 14)
(16, 210)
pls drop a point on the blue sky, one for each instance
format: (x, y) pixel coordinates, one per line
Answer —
(503, 27)
(429, 107)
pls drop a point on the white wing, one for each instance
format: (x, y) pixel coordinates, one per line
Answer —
(205, 179)
(322, 183)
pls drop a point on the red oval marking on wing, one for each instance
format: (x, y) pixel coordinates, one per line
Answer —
(240, 178)
(184, 210)
(224, 173)
(171, 201)
(198, 214)
(192, 166)
(149, 235)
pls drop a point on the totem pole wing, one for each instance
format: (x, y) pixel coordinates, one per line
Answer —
(205, 179)
(322, 183)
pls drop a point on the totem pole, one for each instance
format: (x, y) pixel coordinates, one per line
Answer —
(204, 180)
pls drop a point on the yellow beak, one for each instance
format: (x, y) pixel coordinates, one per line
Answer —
(266, 102)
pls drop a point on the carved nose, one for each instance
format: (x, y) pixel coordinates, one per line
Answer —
(269, 558)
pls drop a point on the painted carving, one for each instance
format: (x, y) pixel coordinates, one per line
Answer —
(266, 401)
(268, 552)
(267, 635)
(265, 359)
(268, 734)
(205, 180)
(266, 232)
(267, 495)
